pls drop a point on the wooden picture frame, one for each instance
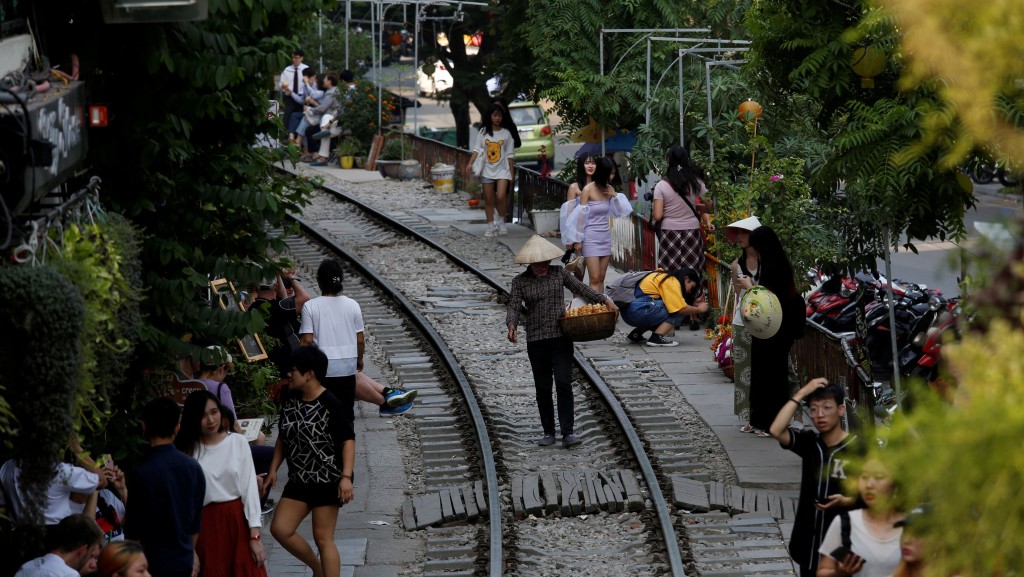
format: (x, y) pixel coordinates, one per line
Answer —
(227, 297)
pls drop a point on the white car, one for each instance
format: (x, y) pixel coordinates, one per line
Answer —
(438, 81)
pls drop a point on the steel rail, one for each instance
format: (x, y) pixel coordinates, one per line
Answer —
(495, 562)
(646, 467)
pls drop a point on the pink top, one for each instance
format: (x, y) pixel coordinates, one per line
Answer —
(678, 215)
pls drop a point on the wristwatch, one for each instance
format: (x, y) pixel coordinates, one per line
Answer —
(257, 537)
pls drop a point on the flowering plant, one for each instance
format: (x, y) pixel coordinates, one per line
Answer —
(721, 341)
(360, 115)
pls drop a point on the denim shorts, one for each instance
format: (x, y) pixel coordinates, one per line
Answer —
(485, 180)
(647, 312)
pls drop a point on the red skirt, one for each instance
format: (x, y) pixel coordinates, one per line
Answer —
(223, 545)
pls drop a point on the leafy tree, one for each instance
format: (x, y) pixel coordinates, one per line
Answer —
(179, 157)
(804, 49)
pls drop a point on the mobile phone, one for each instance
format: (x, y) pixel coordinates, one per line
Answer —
(840, 553)
(823, 500)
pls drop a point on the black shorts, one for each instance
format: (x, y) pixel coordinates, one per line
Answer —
(313, 494)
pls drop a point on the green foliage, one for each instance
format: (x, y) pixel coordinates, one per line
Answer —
(869, 155)
(207, 198)
(251, 383)
(780, 197)
(92, 261)
(349, 147)
(972, 524)
(362, 113)
(330, 45)
(396, 148)
(42, 319)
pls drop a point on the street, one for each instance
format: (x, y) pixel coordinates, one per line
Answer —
(938, 263)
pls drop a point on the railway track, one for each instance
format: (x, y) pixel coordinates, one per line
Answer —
(491, 501)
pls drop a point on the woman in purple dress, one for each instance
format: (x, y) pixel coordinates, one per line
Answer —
(587, 226)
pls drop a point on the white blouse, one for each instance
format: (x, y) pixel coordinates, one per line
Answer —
(230, 475)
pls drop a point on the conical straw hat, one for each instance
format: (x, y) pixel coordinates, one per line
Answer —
(748, 224)
(537, 249)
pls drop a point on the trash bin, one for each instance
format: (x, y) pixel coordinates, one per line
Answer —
(444, 177)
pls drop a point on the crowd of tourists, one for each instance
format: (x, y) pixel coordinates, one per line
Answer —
(199, 493)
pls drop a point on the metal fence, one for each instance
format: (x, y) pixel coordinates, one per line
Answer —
(822, 353)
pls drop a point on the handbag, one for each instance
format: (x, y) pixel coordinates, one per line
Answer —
(478, 165)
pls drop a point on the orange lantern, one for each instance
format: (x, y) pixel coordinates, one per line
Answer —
(868, 62)
(749, 111)
(395, 39)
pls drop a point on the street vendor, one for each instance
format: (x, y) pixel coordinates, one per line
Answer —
(538, 300)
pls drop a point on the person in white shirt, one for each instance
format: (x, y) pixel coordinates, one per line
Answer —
(76, 546)
(869, 545)
(497, 147)
(229, 540)
(294, 90)
(67, 479)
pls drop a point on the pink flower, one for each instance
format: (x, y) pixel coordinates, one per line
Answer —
(775, 177)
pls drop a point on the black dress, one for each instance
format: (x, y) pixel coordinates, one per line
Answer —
(769, 360)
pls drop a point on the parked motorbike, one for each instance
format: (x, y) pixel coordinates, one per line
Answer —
(984, 173)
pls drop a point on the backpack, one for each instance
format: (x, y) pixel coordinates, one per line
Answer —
(622, 290)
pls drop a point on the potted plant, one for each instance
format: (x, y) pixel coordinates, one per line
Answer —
(346, 151)
(393, 160)
(473, 188)
(544, 215)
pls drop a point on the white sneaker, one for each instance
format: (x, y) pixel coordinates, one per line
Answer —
(491, 230)
(502, 229)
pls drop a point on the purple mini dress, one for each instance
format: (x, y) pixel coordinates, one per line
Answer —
(597, 236)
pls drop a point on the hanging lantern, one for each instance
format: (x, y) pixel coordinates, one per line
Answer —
(749, 111)
(395, 39)
(868, 62)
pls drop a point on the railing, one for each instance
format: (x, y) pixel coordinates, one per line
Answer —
(822, 353)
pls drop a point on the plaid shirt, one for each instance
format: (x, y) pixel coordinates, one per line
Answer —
(544, 300)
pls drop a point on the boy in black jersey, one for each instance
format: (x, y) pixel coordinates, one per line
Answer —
(319, 444)
(826, 455)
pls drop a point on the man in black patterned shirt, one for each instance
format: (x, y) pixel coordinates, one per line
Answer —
(538, 298)
(320, 446)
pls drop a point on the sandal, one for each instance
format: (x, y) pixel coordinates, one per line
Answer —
(747, 429)
(763, 434)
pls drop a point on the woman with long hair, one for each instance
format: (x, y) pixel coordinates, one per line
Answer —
(497, 146)
(769, 358)
(666, 298)
(229, 542)
(587, 227)
(586, 165)
(871, 545)
(677, 215)
(122, 559)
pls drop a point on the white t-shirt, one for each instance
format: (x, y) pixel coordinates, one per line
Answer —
(66, 480)
(230, 475)
(880, 557)
(496, 149)
(48, 565)
(334, 323)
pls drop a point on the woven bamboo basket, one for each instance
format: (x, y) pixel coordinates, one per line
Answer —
(589, 327)
(730, 371)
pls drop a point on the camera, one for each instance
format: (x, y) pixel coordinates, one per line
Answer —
(648, 196)
(287, 282)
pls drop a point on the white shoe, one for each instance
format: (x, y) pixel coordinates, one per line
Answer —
(502, 229)
(491, 230)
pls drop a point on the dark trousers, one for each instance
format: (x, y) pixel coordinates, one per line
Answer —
(553, 358)
(262, 455)
(344, 388)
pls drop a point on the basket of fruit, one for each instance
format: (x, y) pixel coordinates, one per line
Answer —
(588, 323)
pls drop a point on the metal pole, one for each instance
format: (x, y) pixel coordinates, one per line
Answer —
(380, 59)
(711, 120)
(320, 31)
(682, 109)
(601, 53)
(348, 16)
(647, 90)
(892, 323)
(416, 68)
